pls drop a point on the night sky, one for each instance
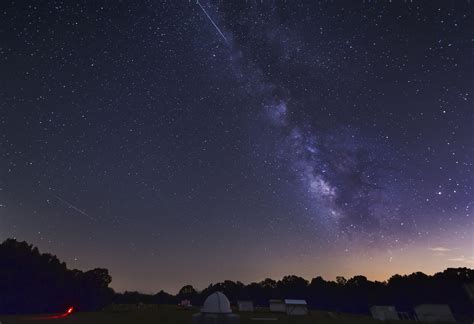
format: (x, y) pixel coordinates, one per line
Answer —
(292, 137)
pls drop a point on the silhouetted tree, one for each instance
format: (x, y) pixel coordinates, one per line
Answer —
(188, 292)
(293, 287)
(34, 282)
(133, 297)
(163, 297)
(341, 280)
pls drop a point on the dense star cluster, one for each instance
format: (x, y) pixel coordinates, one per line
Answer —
(241, 139)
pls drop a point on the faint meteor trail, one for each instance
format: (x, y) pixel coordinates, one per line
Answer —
(213, 23)
(80, 211)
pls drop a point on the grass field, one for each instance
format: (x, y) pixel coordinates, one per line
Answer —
(172, 315)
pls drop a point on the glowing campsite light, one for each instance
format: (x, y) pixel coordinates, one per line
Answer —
(67, 313)
(63, 315)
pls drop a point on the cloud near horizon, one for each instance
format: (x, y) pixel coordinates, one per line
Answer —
(468, 260)
(439, 249)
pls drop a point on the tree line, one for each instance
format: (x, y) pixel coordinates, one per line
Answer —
(31, 282)
(354, 295)
(34, 282)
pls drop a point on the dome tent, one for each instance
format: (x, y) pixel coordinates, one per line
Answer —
(216, 303)
(216, 310)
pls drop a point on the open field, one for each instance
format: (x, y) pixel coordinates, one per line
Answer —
(173, 315)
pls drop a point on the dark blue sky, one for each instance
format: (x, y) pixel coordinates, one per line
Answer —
(320, 139)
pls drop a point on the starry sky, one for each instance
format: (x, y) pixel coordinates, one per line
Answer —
(183, 142)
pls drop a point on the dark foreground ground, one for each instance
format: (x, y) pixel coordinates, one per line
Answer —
(174, 315)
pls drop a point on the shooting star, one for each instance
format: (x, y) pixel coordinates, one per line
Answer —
(213, 23)
(67, 203)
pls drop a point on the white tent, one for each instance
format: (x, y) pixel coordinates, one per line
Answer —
(277, 306)
(245, 305)
(216, 303)
(216, 310)
(384, 313)
(434, 313)
(296, 307)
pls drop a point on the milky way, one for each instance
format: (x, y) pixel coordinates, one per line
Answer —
(338, 170)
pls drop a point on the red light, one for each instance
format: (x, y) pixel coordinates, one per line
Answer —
(67, 313)
(63, 315)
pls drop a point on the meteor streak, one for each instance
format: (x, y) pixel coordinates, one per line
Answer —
(214, 24)
(67, 203)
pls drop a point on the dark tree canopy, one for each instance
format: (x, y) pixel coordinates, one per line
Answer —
(31, 282)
